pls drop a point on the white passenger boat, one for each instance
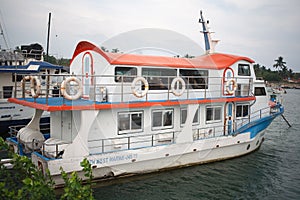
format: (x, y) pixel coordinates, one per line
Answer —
(132, 114)
(14, 64)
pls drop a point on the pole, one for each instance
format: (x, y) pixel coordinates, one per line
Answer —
(286, 120)
(48, 37)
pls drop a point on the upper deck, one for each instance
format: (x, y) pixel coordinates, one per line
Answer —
(102, 80)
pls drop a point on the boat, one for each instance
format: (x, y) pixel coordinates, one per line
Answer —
(13, 64)
(131, 114)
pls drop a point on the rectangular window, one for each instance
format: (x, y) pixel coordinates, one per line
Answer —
(196, 79)
(7, 91)
(162, 119)
(242, 111)
(183, 116)
(125, 74)
(213, 114)
(158, 78)
(244, 70)
(259, 91)
(130, 122)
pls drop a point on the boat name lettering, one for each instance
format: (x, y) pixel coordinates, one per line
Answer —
(113, 159)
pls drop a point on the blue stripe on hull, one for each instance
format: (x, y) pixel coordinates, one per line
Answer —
(257, 126)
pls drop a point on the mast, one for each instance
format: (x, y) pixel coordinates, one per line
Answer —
(2, 33)
(209, 43)
(48, 37)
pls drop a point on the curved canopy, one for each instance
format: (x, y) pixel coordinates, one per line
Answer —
(208, 61)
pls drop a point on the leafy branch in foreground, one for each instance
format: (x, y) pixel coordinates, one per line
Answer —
(26, 181)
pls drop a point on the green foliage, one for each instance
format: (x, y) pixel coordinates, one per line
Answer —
(55, 61)
(26, 181)
(282, 72)
(74, 189)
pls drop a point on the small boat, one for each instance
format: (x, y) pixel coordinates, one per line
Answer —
(14, 64)
(278, 90)
(131, 114)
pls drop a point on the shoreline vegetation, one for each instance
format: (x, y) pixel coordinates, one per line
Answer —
(25, 181)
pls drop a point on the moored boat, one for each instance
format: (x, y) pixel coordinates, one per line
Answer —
(13, 66)
(132, 114)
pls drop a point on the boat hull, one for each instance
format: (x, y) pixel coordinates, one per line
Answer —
(148, 160)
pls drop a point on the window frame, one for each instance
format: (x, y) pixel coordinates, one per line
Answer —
(242, 70)
(126, 78)
(130, 130)
(159, 78)
(194, 123)
(213, 120)
(242, 111)
(201, 77)
(162, 127)
(264, 93)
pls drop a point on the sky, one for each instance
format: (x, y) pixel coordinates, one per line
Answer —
(260, 29)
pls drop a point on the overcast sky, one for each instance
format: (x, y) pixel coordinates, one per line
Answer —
(260, 29)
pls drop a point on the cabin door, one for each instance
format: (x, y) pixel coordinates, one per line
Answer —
(66, 128)
(229, 118)
(87, 72)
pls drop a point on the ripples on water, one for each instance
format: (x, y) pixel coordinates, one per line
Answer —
(272, 172)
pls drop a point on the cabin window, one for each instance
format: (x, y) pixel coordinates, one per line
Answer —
(196, 79)
(183, 116)
(158, 78)
(7, 91)
(125, 73)
(244, 70)
(162, 119)
(213, 114)
(242, 111)
(260, 91)
(129, 122)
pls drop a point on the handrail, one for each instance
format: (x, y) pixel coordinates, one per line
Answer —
(13, 130)
(131, 142)
(106, 89)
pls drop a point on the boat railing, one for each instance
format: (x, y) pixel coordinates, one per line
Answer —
(130, 142)
(53, 148)
(13, 130)
(256, 115)
(111, 88)
(208, 132)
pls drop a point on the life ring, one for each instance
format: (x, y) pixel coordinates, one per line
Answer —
(232, 83)
(35, 86)
(173, 84)
(65, 93)
(139, 93)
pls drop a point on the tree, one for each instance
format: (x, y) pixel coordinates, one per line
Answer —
(104, 49)
(188, 56)
(116, 50)
(280, 64)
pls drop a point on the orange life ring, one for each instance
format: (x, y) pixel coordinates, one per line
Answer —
(65, 93)
(139, 93)
(230, 83)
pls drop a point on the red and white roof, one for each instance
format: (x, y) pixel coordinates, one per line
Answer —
(208, 61)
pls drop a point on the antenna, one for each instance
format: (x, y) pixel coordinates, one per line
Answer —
(209, 43)
(48, 37)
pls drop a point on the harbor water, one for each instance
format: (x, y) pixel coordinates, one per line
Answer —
(272, 172)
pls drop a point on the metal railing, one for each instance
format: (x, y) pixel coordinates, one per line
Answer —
(106, 89)
(13, 130)
(130, 142)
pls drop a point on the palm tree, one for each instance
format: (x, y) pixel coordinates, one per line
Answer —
(116, 50)
(280, 64)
